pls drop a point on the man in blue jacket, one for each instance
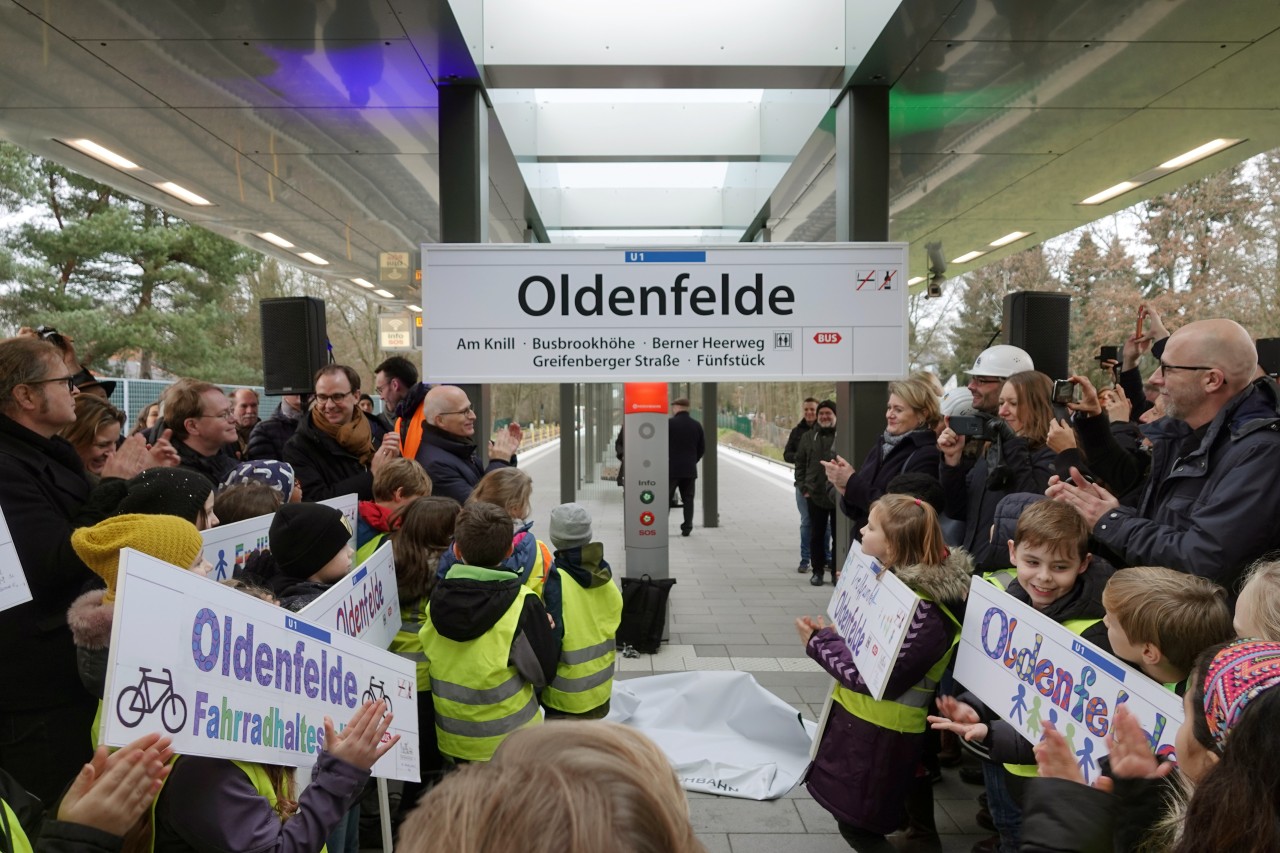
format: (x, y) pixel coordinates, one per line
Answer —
(448, 449)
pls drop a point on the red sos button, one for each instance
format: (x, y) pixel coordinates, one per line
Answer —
(646, 518)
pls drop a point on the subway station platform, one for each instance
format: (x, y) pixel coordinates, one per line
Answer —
(736, 597)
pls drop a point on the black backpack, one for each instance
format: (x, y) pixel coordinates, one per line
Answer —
(644, 613)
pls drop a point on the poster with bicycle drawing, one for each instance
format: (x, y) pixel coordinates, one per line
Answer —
(13, 580)
(228, 675)
(1029, 670)
(365, 604)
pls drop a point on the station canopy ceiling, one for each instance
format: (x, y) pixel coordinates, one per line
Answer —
(664, 122)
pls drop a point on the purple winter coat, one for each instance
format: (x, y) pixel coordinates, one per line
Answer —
(861, 771)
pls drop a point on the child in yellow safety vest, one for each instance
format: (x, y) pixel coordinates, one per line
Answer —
(1052, 571)
(590, 610)
(868, 753)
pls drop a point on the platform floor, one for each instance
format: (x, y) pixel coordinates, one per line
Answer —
(733, 607)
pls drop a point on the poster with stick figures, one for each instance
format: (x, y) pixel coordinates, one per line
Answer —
(13, 580)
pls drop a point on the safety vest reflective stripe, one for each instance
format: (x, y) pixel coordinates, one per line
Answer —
(18, 841)
(471, 696)
(479, 696)
(905, 713)
(584, 674)
(500, 727)
(1002, 579)
(583, 683)
(588, 654)
(1077, 627)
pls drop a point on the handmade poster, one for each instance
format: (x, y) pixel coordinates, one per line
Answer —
(1028, 669)
(228, 675)
(365, 604)
(228, 546)
(871, 609)
(13, 580)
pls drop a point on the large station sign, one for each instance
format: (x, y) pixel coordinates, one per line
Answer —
(751, 311)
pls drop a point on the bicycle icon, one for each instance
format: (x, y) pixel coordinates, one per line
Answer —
(370, 696)
(136, 702)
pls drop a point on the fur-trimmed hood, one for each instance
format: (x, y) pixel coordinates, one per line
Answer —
(90, 620)
(945, 582)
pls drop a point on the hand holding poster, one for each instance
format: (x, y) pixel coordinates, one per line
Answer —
(871, 609)
(13, 580)
(231, 676)
(1028, 668)
(365, 604)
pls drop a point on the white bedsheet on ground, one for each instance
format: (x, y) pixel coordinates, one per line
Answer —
(724, 733)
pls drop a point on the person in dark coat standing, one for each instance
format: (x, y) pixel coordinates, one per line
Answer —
(685, 446)
(798, 432)
(907, 446)
(269, 437)
(337, 447)
(204, 427)
(811, 480)
(448, 448)
(45, 713)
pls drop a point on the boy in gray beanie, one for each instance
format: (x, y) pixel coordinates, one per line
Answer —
(591, 608)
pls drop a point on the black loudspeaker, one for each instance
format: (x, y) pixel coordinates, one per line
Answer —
(294, 343)
(1269, 356)
(1040, 323)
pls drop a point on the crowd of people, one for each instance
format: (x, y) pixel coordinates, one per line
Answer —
(1139, 516)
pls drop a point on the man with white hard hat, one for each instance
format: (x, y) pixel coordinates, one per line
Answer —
(990, 369)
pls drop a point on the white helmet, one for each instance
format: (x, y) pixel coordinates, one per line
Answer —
(1001, 361)
(958, 401)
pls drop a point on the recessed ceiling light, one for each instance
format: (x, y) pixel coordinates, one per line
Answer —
(1011, 237)
(274, 239)
(362, 283)
(1199, 153)
(417, 309)
(966, 257)
(915, 280)
(314, 258)
(180, 192)
(1111, 192)
(97, 152)
(385, 294)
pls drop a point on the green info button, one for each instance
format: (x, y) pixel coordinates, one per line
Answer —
(646, 497)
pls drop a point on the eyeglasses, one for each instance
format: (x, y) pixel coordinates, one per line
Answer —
(333, 398)
(986, 380)
(1165, 368)
(225, 414)
(467, 411)
(70, 381)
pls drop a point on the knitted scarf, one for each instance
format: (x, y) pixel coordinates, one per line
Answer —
(354, 436)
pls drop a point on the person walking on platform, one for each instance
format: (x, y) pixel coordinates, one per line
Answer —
(685, 446)
(798, 432)
(817, 446)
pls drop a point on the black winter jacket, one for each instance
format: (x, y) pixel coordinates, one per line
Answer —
(323, 467)
(45, 496)
(685, 446)
(972, 500)
(215, 467)
(269, 437)
(452, 464)
(815, 448)
(917, 452)
(793, 441)
(1212, 510)
(1066, 817)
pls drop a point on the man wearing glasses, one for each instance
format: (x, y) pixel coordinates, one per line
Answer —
(1210, 506)
(204, 427)
(448, 449)
(337, 446)
(45, 712)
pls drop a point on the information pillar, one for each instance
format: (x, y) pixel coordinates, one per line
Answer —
(647, 490)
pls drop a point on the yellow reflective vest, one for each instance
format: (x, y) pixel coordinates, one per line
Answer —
(408, 644)
(479, 696)
(584, 675)
(13, 831)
